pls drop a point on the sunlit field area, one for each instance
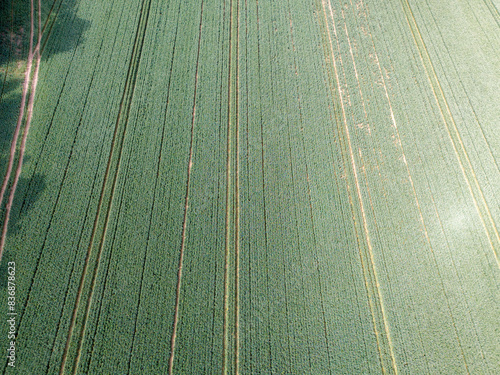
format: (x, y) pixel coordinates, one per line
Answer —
(250, 187)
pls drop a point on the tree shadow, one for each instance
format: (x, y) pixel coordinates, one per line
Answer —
(63, 31)
(58, 18)
(9, 112)
(14, 30)
(27, 193)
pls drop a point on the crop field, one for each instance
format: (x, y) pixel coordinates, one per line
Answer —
(250, 187)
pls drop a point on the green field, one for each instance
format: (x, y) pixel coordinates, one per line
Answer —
(253, 187)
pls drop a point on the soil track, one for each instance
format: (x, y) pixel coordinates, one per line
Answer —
(26, 86)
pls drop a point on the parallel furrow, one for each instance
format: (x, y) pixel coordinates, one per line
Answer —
(367, 260)
(186, 206)
(103, 211)
(231, 256)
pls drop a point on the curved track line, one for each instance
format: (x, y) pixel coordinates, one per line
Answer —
(135, 60)
(63, 307)
(404, 158)
(493, 10)
(376, 59)
(186, 206)
(428, 240)
(410, 178)
(108, 211)
(462, 84)
(455, 138)
(424, 226)
(47, 21)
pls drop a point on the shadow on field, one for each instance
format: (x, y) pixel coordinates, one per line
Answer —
(60, 24)
(63, 32)
(6, 258)
(23, 203)
(27, 193)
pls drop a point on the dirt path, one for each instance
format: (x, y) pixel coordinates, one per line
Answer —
(26, 86)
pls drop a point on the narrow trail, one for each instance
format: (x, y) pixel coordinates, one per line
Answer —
(237, 203)
(28, 81)
(319, 289)
(73, 267)
(30, 288)
(231, 251)
(26, 86)
(111, 173)
(186, 206)
(22, 149)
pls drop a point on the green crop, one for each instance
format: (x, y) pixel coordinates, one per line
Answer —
(257, 187)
